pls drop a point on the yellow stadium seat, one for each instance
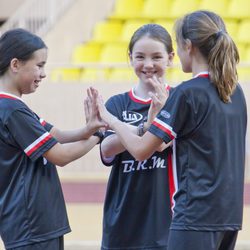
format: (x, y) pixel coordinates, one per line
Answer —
(244, 32)
(168, 25)
(129, 28)
(239, 9)
(86, 53)
(122, 74)
(127, 9)
(107, 31)
(248, 54)
(220, 7)
(156, 8)
(114, 53)
(176, 76)
(182, 7)
(65, 75)
(242, 51)
(243, 74)
(94, 74)
(232, 27)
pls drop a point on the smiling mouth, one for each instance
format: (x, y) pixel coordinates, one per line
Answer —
(149, 74)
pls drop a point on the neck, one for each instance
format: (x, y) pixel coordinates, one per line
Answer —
(199, 62)
(7, 86)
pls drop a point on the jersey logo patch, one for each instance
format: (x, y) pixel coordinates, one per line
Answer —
(165, 114)
(131, 117)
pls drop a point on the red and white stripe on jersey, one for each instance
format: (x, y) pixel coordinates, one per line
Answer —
(37, 143)
(43, 122)
(164, 127)
(172, 175)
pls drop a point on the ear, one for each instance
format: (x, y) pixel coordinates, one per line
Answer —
(188, 45)
(170, 59)
(14, 65)
(130, 58)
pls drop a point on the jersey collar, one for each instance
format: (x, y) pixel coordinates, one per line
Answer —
(9, 96)
(203, 74)
(138, 99)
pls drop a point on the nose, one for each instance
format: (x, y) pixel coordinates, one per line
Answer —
(43, 74)
(148, 63)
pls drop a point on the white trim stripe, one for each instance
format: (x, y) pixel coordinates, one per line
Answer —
(41, 140)
(168, 129)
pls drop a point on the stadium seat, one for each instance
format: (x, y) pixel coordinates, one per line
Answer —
(114, 53)
(107, 31)
(232, 27)
(239, 9)
(180, 7)
(220, 7)
(244, 32)
(127, 9)
(168, 25)
(130, 27)
(156, 8)
(94, 74)
(86, 53)
(242, 51)
(122, 74)
(176, 76)
(65, 74)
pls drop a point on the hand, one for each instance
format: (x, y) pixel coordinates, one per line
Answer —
(163, 146)
(106, 116)
(93, 120)
(159, 97)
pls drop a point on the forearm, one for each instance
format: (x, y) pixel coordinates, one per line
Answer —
(62, 154)
(112, 144)
(72, 135)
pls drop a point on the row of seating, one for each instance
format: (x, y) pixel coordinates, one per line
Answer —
(88, 75)
(109, 44)
(125, 9)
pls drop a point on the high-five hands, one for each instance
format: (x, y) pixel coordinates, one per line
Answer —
(92, 116)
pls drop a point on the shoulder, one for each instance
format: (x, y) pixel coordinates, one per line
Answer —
(9, 106)
(118, 99)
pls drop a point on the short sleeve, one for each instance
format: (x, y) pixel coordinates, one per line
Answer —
(175, 119)
(30, 133)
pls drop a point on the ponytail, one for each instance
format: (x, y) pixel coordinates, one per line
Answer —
(207, 32)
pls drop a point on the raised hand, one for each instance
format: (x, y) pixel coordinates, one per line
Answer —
(92, 116)
(107, 117)
(159, 96)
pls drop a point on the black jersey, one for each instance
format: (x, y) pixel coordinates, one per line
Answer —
(209, 145)
(32, 206)
(137, 209)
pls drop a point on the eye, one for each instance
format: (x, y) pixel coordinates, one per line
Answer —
(157, 57)
(139, 57)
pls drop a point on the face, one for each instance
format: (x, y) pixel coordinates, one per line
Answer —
(30, 73)
(149, 58)
(183, 52)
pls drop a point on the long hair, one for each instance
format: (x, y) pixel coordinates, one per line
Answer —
(207, 31)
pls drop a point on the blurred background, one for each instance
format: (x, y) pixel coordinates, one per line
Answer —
(87, 43)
